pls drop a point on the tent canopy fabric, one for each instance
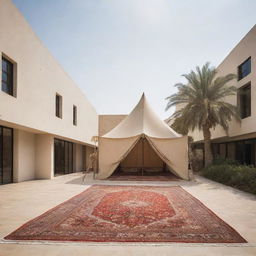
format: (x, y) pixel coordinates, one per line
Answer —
(142, 120)
(115, 145)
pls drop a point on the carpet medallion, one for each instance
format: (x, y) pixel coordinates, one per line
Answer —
(129, 214)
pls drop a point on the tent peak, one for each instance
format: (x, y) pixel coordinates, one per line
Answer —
(143, 97)
(142, 120)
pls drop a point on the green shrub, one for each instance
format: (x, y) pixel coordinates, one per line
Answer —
(239, 176)
(219, 160)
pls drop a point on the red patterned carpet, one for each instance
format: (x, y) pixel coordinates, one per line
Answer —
(130, 214)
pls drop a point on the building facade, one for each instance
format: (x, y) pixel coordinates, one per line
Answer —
(240, 141)
(46, 122)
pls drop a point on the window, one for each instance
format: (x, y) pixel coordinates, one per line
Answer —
(74, 115)
(7, 76)
(244, 101)
(58, 102)
(6, 155)
(245, 152)
(63, 157)
(244, 69)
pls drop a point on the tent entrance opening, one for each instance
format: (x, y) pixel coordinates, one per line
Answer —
(142, 160)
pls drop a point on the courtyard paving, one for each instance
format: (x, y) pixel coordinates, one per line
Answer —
(21, 202)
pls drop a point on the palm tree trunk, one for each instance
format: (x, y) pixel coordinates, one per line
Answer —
(207, 146)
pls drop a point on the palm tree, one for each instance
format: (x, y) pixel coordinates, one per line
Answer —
(202, 104)
(179, 127)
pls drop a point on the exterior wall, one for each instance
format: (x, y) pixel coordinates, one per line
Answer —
(38, 78)
(78, 158)
(108, 122)
(44, 157)
(245, 49)
(31, 111)
(24, 156)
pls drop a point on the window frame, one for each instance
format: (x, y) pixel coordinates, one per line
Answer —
(58, 105)
(9, 83)
(74, 115)
(239, 68)
(242, 103)
(11, 154)
(64, 157)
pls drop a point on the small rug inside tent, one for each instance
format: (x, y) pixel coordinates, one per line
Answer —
(133, 177)
(130, 214)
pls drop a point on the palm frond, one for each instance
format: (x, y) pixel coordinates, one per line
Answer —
(202, 99)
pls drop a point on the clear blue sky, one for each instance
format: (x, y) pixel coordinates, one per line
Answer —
(116, 49)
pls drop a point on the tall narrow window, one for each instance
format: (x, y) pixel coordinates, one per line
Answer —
(6, 155)
(244, 98)
(244, 69)
(74, 115)
(7, 76)
(58, 102)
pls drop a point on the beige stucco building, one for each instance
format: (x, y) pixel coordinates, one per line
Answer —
(240, 141)
(46, 122)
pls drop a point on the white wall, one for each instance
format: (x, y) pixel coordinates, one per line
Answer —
(245, 49)
(24, 156)
(44, 159)
(39, 78)
(78, 158)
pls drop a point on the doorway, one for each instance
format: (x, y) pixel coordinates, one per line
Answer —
(63, 157)
(142, 163)
(6, 155)
(142, 160)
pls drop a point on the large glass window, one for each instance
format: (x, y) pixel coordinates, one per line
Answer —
(63, 157)
(244, 69)
(7, 76)
(245, 152)
(244, 101)
(215, 150)
(6, 155)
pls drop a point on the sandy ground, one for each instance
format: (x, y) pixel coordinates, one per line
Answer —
(23, 201)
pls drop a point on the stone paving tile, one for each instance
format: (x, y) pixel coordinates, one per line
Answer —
(23, 201)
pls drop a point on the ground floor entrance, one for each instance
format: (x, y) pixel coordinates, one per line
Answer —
(63, 157)
(6, 155)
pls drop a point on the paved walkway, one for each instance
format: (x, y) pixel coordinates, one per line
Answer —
(24, 201)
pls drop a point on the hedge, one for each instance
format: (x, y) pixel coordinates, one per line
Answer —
(233, 174)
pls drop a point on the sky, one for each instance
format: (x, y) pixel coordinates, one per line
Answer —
(117, 49)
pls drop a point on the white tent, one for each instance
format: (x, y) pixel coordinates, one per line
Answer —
(142, 122)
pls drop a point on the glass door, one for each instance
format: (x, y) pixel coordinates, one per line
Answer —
(6, 155)
(63, 157)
